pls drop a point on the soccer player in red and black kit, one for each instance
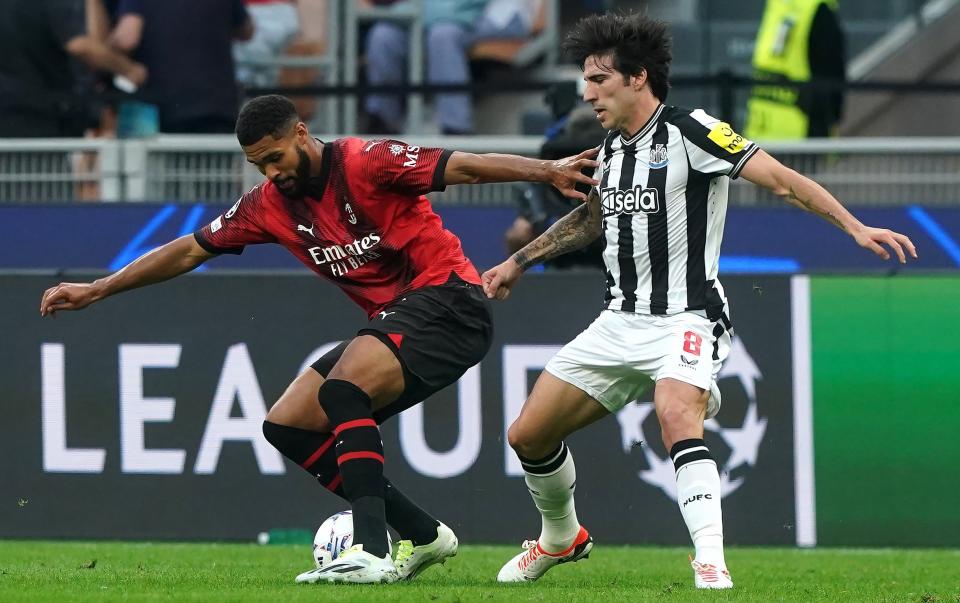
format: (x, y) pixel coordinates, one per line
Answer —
(354, 212)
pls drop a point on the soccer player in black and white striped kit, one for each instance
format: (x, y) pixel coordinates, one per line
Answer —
(661, 202)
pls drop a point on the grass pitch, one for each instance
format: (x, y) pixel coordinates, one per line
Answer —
(112, 571)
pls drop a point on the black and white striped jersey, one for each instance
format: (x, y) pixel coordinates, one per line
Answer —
(663, 194)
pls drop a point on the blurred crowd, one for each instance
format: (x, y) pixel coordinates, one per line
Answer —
(140, 67)
(134, 68)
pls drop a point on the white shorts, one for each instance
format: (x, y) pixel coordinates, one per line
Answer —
(618, 356)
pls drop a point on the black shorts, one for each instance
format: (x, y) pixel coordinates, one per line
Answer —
(437, 333)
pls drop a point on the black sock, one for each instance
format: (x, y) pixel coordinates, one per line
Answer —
(314, 452)
(360, 458)
(409, 520)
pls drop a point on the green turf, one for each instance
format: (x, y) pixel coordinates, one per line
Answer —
(110, 571)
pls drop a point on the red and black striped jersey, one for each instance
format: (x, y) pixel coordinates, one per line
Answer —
(364, 224)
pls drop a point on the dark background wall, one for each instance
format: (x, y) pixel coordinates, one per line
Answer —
(162, 391)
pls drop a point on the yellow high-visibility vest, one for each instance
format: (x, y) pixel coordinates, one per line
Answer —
(781, 53)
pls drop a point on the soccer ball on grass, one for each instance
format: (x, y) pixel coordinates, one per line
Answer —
(334, 536)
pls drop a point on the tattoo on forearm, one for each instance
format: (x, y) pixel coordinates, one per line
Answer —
(523, 260)
(573, 231)
(806, 204)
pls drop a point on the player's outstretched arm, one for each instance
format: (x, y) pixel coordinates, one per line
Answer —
(564, 174)
(797, 189)
(571, 232)
(165, 262)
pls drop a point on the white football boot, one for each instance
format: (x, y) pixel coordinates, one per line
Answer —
(354, 565)
(534, 561)
(706, 575)
(411, 560)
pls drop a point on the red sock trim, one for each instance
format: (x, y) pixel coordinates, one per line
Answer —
(352, 424)
(363, 454)
(316, 455)
(332, 486)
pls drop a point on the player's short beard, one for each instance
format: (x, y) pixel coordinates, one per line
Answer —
(302, 180)
(303, 171)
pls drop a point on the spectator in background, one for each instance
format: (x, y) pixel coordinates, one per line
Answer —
(311, 41)
(799, 40)
(101, 18)
(187, 46)
(39, 94)
(574, 130)
(101, 112)
(452, 26)
(276, 24)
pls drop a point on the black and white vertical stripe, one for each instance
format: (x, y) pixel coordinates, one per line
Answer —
(657, 234)
(606, 154)
(625, 260)
(666, 260)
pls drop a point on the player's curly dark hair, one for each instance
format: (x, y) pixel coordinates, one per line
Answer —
(633, 41)
(271, 114)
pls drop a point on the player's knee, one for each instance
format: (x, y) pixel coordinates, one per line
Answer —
(274, 413)
(526, 441)
(343, 401)
(516, 436)
(283, 412)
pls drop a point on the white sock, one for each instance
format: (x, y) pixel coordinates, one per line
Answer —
(551, 482)
(698, 494)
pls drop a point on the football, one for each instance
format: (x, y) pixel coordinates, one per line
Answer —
(334, 536)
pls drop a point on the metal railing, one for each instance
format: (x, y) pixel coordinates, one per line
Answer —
(37, 169)
(869, 171)
(211, 168)
(186, 168)
(191, 169)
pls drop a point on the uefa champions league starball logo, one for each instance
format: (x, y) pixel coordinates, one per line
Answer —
(743, 441)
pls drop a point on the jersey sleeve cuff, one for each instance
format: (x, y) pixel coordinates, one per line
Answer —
(438, 183)
(207, 245)
(747, 154)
